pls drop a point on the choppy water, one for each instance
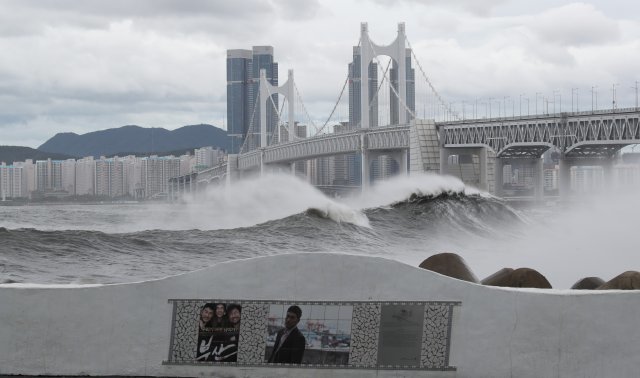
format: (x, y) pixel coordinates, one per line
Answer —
(406, 219)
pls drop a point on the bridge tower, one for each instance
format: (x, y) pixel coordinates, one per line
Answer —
(266, 90)
(369, 50)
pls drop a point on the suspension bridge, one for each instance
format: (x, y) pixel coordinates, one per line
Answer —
(441, 141)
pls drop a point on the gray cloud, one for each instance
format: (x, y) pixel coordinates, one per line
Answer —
(575, 24)
(476, 7)
(84, 66)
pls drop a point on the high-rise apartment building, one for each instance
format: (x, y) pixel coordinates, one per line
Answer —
(156, 172)
(243, 89)
(85, 176)
(11, 182)
(207, 157)
(109, 177)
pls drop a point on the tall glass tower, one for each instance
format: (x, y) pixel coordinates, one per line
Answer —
(355, 96)
(243, 90)
(410, 88)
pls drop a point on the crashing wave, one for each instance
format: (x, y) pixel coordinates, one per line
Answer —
(339, 213)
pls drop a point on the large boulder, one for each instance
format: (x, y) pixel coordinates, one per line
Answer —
(521, 277)
(449, 264)
(498, 277)
(588, 283)
(629, 280)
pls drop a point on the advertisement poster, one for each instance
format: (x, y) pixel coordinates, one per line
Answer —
(218, 332)
(317, 334)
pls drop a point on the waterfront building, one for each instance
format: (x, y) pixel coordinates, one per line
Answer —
(85, 176)
(587, 179)
(188, 163)
(205, 157)
(68, 176)
(43, 175)
(156, 172)
(243, 81)
(132, 173)
(109, 177)
(28, 176)
(551, 179)
(11, 182)
(626, 176)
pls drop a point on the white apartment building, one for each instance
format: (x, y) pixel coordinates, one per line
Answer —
(587, 179)
(551, 179)
(55, 175)
(11, 182)
(384, 167)
(132, 172)
(156, 172)
(28, 176)
(68, 176)
(188, 164)
(109, 177)
(85, 176)
(207, 157)
(321, 170)
(626, 175)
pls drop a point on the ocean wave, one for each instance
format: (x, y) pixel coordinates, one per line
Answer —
(402, 188)
(339, 213)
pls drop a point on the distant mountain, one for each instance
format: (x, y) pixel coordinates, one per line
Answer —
(137, 140)
(10, 154)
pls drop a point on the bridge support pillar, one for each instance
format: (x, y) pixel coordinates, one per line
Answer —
(404, 163)
(482, 160)
(472, 165)
(444, 161)
(232, 169)
(366, 171)
(564, 177)
(262, 163)
(498, 190)
(607, 173)
(539, 179)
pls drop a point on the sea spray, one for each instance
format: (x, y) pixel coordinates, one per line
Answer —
(401, 188)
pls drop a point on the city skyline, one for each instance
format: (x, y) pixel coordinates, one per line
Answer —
(91, 66)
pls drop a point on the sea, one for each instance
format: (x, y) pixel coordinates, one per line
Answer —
(406, 219)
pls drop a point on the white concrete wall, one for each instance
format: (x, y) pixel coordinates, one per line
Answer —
(125, 329)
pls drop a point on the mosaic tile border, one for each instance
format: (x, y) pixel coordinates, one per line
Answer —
(436, 334)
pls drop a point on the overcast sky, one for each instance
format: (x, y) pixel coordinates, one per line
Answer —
(85, 65)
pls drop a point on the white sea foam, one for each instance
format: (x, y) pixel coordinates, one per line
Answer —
(400, 188)
(253, 201)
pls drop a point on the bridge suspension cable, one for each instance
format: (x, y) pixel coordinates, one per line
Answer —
(250, 131)
(430, 84)
(391, 86)
(304, 108)
(335, 106)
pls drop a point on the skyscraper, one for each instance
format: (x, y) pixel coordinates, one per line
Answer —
(243, 90)
(410, 89)
(355, 96)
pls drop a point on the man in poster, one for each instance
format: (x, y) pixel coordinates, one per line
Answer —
(290, 343)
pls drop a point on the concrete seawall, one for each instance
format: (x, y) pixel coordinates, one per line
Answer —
(496, 332)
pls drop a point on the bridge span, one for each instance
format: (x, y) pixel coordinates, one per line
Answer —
(475, 150)
(584, 138)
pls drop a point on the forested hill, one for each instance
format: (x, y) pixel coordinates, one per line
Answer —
(136, 140)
